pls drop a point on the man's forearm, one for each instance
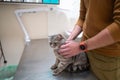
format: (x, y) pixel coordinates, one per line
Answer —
(76, 31)
(100, 40)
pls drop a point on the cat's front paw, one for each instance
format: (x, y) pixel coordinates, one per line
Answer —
(57, 71)
(55, 74)
(53, 67)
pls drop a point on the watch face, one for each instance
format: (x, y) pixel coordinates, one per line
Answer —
(82, 47)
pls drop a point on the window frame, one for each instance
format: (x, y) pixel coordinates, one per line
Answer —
(31, 2)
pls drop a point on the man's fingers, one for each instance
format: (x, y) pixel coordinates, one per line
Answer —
(64, 46)
(65, 54)
(67, 41)
(68, 56)
(63, 51)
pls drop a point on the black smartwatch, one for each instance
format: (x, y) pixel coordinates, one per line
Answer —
(83, 46)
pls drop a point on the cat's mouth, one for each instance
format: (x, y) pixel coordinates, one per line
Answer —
(53, 46)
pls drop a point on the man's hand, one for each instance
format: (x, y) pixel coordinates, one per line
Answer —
(69, 49)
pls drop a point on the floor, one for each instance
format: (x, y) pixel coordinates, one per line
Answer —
(36, 61)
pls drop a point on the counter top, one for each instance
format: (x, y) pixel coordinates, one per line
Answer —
(36, 61)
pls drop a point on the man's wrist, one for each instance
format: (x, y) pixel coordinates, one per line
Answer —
(83, 46)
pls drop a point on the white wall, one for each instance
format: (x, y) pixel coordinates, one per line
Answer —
(36, 24)
(58, 22)
(11, 34)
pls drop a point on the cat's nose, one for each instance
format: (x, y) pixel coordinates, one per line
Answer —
(52, 46)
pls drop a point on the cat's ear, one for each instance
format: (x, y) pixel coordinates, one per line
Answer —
(60, 36)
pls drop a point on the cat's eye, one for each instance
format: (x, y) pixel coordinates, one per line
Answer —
(50, 43)
(55, 43)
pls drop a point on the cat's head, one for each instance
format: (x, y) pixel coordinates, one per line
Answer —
(55, 40)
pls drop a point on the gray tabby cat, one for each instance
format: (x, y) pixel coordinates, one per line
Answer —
(61, 63)
(73, 64)
(80, 63)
